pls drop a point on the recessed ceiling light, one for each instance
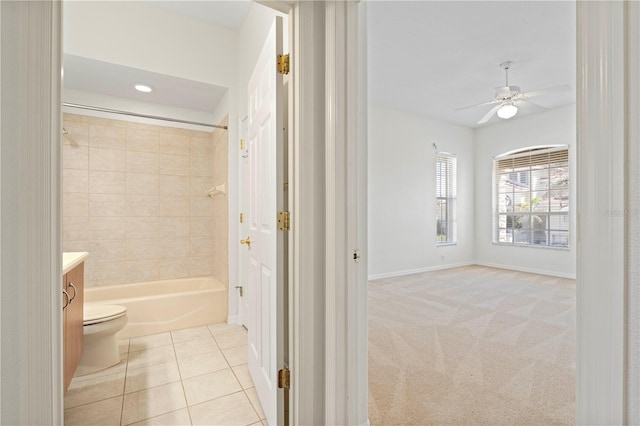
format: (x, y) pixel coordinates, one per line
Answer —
(143, 88)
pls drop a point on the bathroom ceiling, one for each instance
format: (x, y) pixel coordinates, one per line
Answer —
(226, 13)
(116, 80)
(429, 58)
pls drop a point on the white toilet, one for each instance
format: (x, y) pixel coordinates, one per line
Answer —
(101, 323)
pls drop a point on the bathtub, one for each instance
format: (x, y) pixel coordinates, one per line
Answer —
(158, 306)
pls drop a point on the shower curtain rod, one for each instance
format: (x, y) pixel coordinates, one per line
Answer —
(135, 114)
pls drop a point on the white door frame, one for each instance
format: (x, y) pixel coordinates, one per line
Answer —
(607, 367)
(608, 279)
(31, 262)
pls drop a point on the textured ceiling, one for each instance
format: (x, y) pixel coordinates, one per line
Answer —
(430, 58)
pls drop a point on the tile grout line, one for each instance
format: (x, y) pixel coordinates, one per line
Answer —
(124, 384)
(184, 393)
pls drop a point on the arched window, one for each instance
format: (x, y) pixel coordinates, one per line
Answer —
(531, 196)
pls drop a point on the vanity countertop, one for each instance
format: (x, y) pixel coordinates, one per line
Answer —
(71, 259)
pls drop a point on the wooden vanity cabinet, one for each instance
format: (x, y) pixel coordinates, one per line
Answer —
(73, 284)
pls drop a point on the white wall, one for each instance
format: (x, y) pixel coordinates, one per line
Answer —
(402, 207)
(140, 35)
(557, 126)
(402, 188)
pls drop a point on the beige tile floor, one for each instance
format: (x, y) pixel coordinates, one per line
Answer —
(197, 376)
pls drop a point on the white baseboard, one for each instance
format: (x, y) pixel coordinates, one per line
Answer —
(530, 270)
(233, 319)
(457, 265)
(419, 270)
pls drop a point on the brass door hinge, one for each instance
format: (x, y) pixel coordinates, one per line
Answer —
(284, 378)
(241, 144)
(241, 217)
(284, 221)
(283, 64)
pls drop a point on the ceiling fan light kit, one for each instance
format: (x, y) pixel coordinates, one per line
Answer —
(507, 110)
(508, 99)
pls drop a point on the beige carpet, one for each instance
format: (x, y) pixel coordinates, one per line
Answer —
(472, 346)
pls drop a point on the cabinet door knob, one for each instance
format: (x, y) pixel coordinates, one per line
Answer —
(75, 292)
(67, 301)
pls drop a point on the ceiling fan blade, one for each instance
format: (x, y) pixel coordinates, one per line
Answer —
(547, 91)
(531, 106)
(490, 114)
(477, 105)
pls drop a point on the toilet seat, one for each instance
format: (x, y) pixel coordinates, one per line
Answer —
(95, 313)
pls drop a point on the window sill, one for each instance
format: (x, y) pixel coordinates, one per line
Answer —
(446, 244)
(537, 247)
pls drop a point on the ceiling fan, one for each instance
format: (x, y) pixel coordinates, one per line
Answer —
(509, 98)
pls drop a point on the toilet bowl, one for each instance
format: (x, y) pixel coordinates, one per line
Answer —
(101, 323)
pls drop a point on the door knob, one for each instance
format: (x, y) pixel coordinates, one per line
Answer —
(239, 287)
(246, 241)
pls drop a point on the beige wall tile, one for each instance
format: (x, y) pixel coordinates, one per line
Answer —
(142, 227)
(201, 147)
(200, 184)
(135, 199)
(201, 206)
(143, 270)
(174, 227)
(142, 140)
(142, 162)
(176, 247)
(75, 157)
(76, 118)
(77, 246)
(143, 205)
(201, 226)
(200, 265)
(174, 185)
(174, 268)
(174, 206)
(75, 180)
(107, 228)
(101, 182)
(104, 136)
(109, 271)
(75, 204)
(107, 205)
(174, 144)
(75, 229)
(201, 246)
(177, 165)
(77, 133)
(107, 250)
(201, 166)
(106, 159)
(144, 249)
(142, 183)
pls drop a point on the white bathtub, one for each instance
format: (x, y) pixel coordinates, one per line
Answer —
(158, 306)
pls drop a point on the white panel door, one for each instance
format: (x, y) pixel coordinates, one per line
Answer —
(243, 256)
(265, 289)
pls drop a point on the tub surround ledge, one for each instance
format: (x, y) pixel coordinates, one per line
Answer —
(71, 259)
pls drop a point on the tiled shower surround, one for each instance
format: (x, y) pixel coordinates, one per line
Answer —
(134, 197)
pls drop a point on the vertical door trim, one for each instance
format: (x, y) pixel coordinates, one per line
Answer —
(607, 111)
(31, 312)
